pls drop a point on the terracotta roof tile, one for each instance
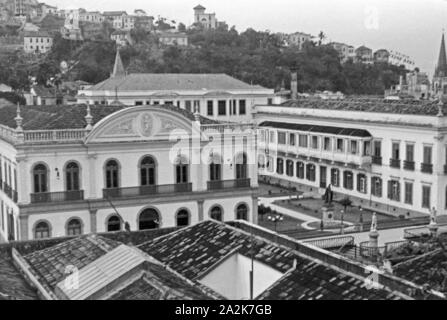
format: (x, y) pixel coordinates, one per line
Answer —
(429, 108)
(172, 82)
(49, 265)
(198, 249)
(53, 117)
(12, 284)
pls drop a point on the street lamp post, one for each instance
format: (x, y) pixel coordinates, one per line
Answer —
(361, 218)
(342, 222)
(275, 219)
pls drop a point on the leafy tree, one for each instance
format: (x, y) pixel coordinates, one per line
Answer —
(181, 27)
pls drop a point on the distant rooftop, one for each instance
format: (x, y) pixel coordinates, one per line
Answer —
(172, 82)
(57, 117)
(411, 107)
(40, 34)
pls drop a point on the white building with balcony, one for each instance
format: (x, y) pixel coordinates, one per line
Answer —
(387, 156)
(77, 170)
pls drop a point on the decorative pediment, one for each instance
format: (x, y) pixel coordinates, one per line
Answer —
(147, 123)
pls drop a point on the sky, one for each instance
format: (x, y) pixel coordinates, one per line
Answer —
(412, 27)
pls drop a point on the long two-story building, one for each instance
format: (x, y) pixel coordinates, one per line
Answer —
(75, 169)
(387, 156)
(216, 96)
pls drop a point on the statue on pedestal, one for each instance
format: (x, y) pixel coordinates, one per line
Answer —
(433, 215)
(328, 195)
(374, 223)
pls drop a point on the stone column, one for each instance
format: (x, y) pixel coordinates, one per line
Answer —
(254, 216)
(92, 177)
(200, 211)
(23, 222)
(93, 221)
(24, 185)
(215, 107)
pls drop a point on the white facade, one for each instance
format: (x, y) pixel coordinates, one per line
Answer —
(207, 20)
(37, 43)
(169, 39)
(345, 51)
(399, 169)
(298, 39)
(90, 175)
(91, 16)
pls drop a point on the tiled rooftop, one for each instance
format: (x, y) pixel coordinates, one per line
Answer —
(321, 129)
(49, 264)
(429, 269)
(313, 281)
(157, 283)
(429, 108)
(54, 117)
(195, 250)
(178, 260)
(172, 82)
(12, 284)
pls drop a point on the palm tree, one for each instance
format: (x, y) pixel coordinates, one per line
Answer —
(322, 37)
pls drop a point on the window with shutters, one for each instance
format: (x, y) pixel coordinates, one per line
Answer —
(289, 168)
(302, 141)
(335, 177)
(281, 137)
(300, 170)
(280, 166)
(376, 186)
(426, 197)
(310, 172)
(348, 180)
(394, 190)
(361, 183)
(408, 193)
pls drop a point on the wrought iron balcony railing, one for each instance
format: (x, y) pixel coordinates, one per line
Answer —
(427, 168)
(146, 190)
(377, 160)
(48, 197)
(395, 163)
(228, 184)
(409, 165)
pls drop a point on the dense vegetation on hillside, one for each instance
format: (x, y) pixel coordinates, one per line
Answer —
(252, 56)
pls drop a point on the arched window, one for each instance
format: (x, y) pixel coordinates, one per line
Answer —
(279, 166)
(74, 227)
(181, 170)
(241, 166)
(242, 212)
(182, 218)
(310, 172)
(289, 168)
(114, 224)
(40, 174)
(335, 177)
(72, 176)
(112, 170)
(300, 170)
(361, 183)
(216, 213)
(42, 230)
(147, 171)
(348, 180)
(149, 219)
(215, 168)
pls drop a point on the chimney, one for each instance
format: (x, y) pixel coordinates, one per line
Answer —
(294, 85)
